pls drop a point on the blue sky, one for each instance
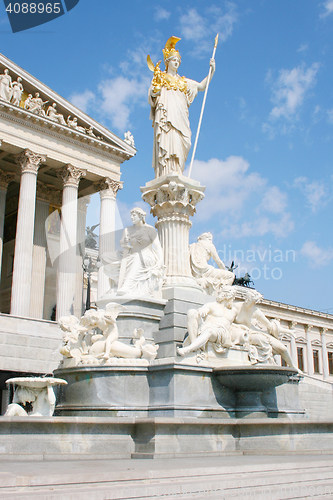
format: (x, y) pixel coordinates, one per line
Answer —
(266, 143)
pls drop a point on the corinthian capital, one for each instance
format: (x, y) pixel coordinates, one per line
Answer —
(71, 175)
(5, 178)
(108, 187)
(29, 161)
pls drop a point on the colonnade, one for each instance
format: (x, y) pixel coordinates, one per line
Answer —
(308, 344)
(30, 255)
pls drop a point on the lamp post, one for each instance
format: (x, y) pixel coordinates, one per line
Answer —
(89, 267)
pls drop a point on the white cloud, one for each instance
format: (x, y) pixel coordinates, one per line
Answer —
(224, 22)
(328, 5)
(260, 226)
(228, 183)
(330, 115)
(290, 89)
(119, 95)
(230, 187)
(315, 192)
(274, 200)
(193, 26)
(202, 29)
(303, 47)
(161, 14)
(318, 257)
(83, 101)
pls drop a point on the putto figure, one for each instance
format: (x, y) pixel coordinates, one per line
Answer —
(170, 96)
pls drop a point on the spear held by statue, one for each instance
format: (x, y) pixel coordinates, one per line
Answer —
(202, 108)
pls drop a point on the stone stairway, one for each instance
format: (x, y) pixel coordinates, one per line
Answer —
(222, 478)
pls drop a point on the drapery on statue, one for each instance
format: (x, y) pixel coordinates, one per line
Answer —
(139, 269)
(170, 97)
(207, 276)
(211, 323)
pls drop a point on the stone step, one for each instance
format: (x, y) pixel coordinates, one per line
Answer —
(276, 478)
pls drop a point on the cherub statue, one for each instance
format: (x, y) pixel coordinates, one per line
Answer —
(84, 344)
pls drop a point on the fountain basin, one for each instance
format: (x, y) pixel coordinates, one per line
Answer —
(254, 378)
(255, 388)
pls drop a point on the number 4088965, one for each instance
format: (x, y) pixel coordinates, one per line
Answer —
(34, 8)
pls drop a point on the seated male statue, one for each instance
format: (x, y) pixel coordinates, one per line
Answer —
(208, 277)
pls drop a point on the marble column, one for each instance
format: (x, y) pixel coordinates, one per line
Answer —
(173, 199)
(108, 189)
(81, 234)
(22, 273)
(293, 347)
(309, 352)
(324, 352)
(5, 179)
(68, 238)
(39, 260)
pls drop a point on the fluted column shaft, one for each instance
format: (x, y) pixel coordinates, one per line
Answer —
(309, 350)
(21, 286)
(324, 353)
(81, 234)
(173, 233)
(5, 178)
(68, 238)
(108, 189)
(39, 261)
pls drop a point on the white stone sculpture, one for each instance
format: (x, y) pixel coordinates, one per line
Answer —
(17, 92)
(73, 124)
(85, 345)
(226, 324)
(139, 269)
(6, 90)
(53, 114)
(207, 276)
(211, 323)
(38, 391)
(90, 131)
(170, 97)
(35, 104)
(129, 138)
(27, 102)
(263, 345)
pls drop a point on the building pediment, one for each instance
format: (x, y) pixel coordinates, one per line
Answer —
(30, 101)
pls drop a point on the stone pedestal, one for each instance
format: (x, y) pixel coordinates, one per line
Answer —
(173, 198)
(145, 313)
